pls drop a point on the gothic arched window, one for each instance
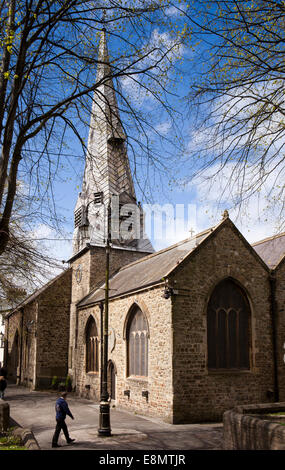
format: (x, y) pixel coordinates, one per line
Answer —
(228, 329)
(137, 343)
(92, 346)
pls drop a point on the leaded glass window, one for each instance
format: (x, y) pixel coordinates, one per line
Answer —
(92, 346)
(137, 338)
(228, 329)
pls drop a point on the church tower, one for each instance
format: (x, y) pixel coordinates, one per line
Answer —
(107, 184)
(107, 176)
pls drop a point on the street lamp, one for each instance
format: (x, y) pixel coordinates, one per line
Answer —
(104, 414)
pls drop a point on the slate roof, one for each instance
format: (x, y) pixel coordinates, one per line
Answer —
(147, 271)
(39, 291)
(151, 270)
(271, 250)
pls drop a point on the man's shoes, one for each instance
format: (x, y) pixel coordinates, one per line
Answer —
(70, 441)
(55, 445)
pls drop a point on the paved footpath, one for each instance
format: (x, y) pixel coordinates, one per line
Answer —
(35, 410)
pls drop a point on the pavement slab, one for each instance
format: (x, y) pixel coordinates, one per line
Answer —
(35, 410)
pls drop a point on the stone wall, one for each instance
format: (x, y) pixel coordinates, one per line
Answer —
(42, 328)
(158, 384)
(254, 428)
(53, 331)
(4, 416)
(201, 394)
(13, 338)
(29, 345)
(88, 271)
(280, 300)
(118, 259)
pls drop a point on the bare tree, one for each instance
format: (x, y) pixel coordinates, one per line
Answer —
(48, 62)
(26, 262)
(237, 93)
(23, 267)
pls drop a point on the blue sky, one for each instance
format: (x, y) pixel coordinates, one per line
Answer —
(207, 205)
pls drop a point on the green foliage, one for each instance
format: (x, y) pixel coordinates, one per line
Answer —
(10, 442)
(54, 382)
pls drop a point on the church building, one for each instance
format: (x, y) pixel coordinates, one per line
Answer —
(194, 329)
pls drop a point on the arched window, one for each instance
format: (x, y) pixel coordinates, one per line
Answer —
(228, 330)
(137, 343)
(92, 346)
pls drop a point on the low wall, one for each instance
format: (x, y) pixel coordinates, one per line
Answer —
(27, 437)
(4, 416)
(252, 428)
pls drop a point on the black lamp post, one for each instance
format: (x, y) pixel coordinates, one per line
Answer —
(104, 414)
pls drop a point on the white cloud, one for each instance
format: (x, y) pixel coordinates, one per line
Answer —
(257, 217)
(163, 128)
(243, 116)
(177, 10)
(258, 183)
(169, 223)
(161, 50)
(55, 246)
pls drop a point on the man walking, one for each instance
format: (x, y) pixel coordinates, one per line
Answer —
(61, 408)
(3, 381)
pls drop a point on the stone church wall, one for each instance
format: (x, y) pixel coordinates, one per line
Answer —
(13, 333)
(21, 349)
(53, 331)
(158, 384)
(201, 394)
(89, 270)
(280, 297)
(42, 328)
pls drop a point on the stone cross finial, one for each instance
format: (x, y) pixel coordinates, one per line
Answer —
(225, 214)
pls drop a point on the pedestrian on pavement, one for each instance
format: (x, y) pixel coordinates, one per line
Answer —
(3, 382)
(62, 409)
(3, 385)
(3, 372)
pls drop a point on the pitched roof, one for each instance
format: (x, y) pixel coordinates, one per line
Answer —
(147, 271)
(271, 249)
(152, 269)
(37, 292)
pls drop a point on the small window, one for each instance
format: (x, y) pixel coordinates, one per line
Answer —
(228, 332)
(92, 346)
(98, 198)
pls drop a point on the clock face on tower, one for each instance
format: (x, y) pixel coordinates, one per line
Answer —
(78, 274)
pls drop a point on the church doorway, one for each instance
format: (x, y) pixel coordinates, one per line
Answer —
(112, 380)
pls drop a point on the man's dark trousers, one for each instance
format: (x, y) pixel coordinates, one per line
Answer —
(60, 425)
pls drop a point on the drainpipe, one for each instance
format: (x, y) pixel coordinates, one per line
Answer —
(101, 306)
(21, 347)
(273, 308)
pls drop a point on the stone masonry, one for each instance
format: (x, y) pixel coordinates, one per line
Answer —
(180, 386)
(280, 307)
(200, 394)
(158, 384)
(37, 335)
(91, 267)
